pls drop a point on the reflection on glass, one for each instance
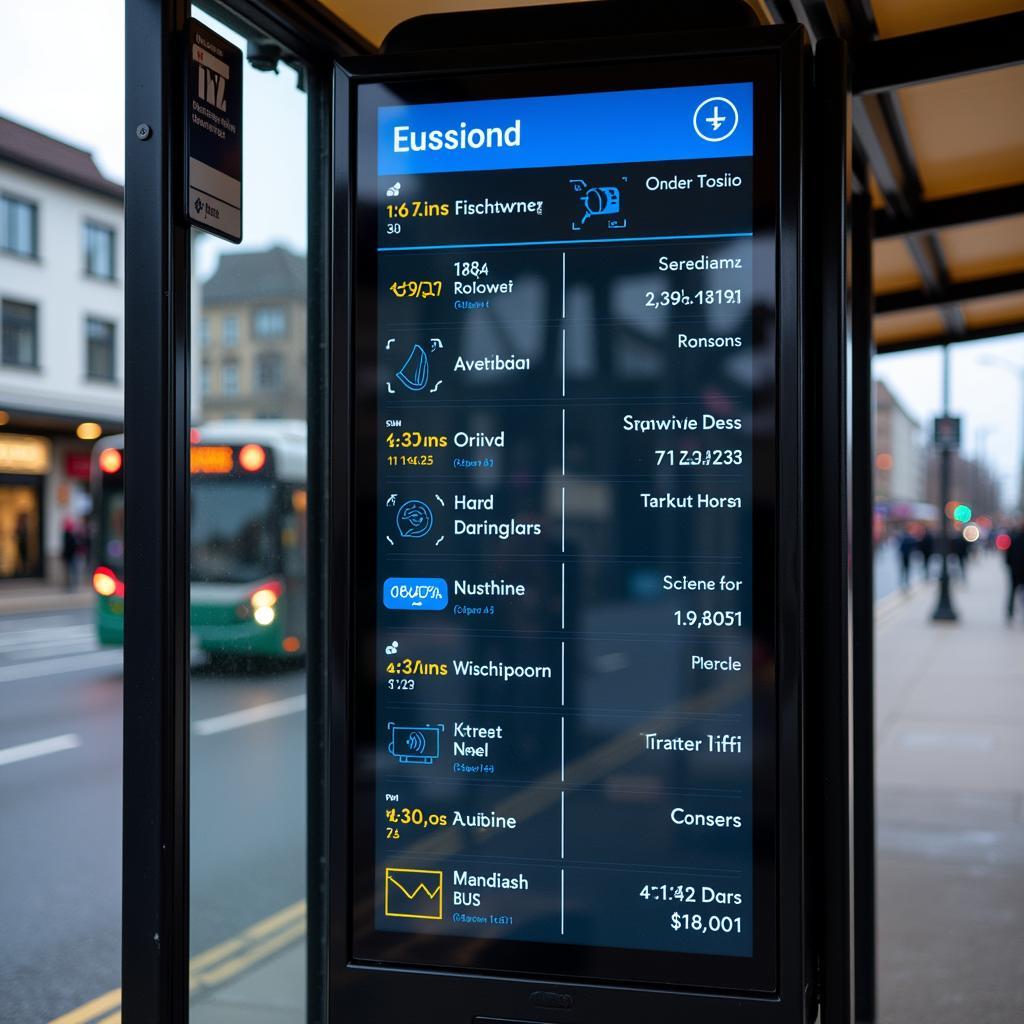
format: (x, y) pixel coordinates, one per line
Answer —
(248, 579)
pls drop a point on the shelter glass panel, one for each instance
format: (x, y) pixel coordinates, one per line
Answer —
(247, 911)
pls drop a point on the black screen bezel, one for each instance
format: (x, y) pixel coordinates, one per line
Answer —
(754, 975)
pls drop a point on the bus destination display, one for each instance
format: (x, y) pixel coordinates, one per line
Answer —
(570, 696)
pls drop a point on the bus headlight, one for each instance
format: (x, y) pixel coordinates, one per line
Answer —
(264, 615)
(262, 600)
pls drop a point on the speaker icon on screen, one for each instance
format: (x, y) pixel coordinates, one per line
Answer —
(415, 744)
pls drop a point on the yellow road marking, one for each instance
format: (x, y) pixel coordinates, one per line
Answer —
(93, 1008)
(282, 917)
(218, 975)
(212, 955)
(213, 966)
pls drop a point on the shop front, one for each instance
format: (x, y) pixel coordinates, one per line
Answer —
(25, 462)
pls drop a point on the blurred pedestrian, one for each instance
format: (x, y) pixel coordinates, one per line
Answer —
(1015, 566)
(961, 549)
(907, 547)
(926, 545)
(69, 553)
(21, 535)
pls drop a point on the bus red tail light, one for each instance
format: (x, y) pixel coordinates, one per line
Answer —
(111, 460)
(106, 583)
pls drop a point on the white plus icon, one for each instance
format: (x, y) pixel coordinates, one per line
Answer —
(715, 119)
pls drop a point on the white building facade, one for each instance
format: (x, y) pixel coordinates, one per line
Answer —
(900, 456)
(62, 343)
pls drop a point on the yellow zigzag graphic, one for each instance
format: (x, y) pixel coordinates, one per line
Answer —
(422, 886)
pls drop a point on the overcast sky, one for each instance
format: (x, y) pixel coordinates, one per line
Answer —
(63, 72)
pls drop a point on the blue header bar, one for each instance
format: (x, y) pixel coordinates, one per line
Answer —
(629, 126)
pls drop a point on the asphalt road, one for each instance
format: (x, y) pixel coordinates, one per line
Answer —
(60, 810)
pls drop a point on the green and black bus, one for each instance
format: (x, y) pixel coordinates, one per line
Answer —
(248, 538)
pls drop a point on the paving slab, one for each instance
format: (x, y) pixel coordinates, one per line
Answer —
(950, 774)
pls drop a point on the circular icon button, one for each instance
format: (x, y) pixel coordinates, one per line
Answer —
(414, 518)
(716, 119)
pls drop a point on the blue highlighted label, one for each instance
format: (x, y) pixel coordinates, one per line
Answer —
(415, 593)
(689, 122)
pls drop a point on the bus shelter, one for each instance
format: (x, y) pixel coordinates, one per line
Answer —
(882, 212)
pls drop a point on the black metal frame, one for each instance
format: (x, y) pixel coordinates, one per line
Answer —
(826, 620)
(862, 610)
(155, 845)
(881, 140)
(798, 981)
(937, 341)
(964, 49)
(155, 841)
(955, 211)
(951, 294)
(879, 67)
(156, 660)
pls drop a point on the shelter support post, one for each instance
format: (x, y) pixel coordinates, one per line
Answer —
(827, 621)
(156, 650)
(862, 599)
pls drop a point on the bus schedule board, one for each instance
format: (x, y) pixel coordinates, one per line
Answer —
(563, 701)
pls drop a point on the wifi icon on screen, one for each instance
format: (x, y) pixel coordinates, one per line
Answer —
(415, 744)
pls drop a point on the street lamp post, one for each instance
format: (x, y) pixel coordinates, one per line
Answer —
(944, 610)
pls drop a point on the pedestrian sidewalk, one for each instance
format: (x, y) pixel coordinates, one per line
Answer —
(24, 596)
(950, 787)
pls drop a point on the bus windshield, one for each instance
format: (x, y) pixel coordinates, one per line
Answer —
(110, 521)
(234, 536)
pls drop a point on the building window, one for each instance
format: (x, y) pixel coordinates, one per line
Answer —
(99, 251)
(204, 331)
(19, 227)
(269, 372)
(99, 349)
(229, 331)
(20, 334)
(229, 378)
(206, 379)
(269, 322)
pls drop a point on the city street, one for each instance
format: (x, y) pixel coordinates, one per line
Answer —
(60, 810)
(60, 799)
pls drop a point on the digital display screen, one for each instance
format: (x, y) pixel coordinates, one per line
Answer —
(564, 598)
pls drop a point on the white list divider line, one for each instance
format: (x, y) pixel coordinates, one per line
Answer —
(250, 716)
(39, 748)
(563, 285)
(563, 362)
